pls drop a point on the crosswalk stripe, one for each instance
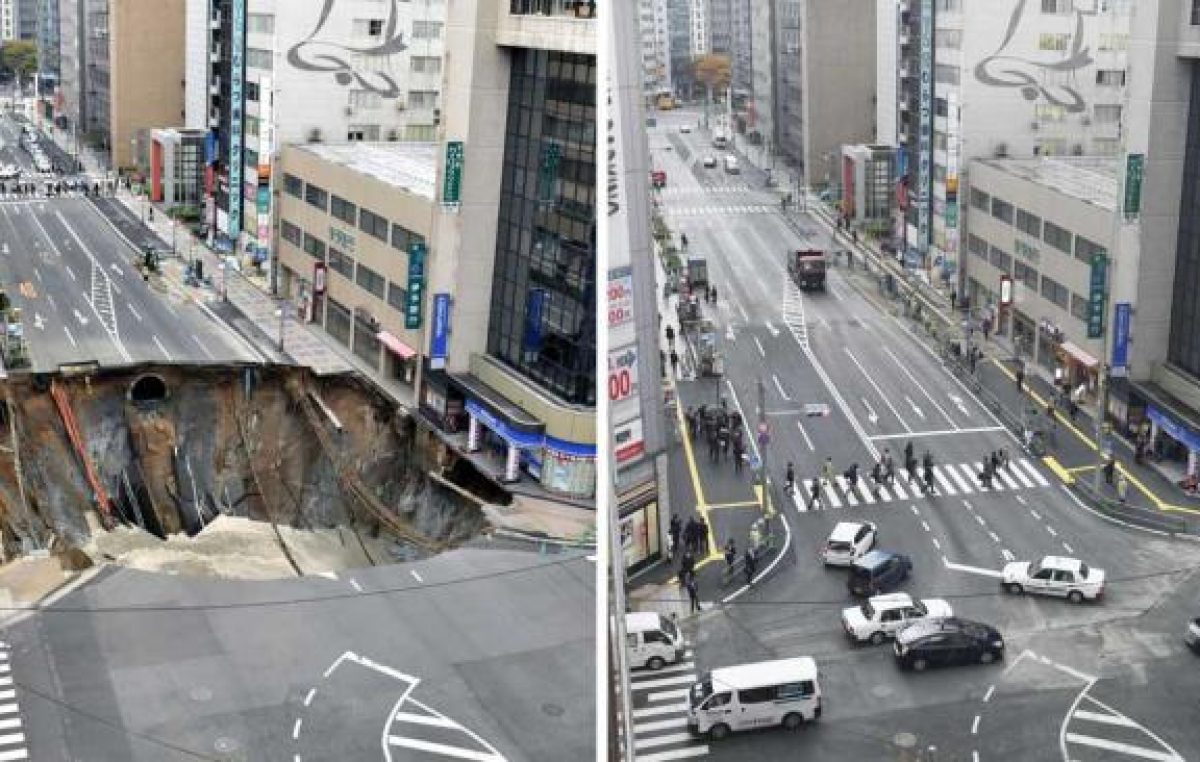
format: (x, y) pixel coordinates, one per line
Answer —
(663, 682)
(1009, 482)
(668, 695)
(1124, 748)
(1025, 480)
(1033, 472)
(663, 740)
(1107, 719)
(831, 494)
(849, 493)
(881, 493)
(943, 482)
(656, 711)
(677, 723)
(963, 484)
(800, 501)
(899, 490)
(14, 754)
(9, 708)
(681, 667)
(12, 738)
(673, 754)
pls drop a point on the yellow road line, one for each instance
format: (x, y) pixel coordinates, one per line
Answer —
(1078, 469)
(741, 504)
(701, 506)
(1052, 463)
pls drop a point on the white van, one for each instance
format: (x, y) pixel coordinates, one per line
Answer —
(731, 165)
(652, 640)
(786, 692)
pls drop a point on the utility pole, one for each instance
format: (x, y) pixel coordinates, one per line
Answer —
(764, 440)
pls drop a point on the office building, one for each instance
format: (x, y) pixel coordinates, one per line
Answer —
(48, 43)
(655, 50)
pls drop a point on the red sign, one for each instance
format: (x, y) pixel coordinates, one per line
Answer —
(1005, 291)
(319, 278)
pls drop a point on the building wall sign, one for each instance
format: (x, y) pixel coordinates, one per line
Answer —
(237, 76)
(452, 180)
(620, 297)
(1134, 165)
(1120, 351)
(265, 148)
(439, 343)
(925, 139)
(622, 373)
(1097, 282)
(322, 51)
(416, 285)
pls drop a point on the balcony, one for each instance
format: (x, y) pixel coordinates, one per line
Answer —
(214, 55)
(568, 26)
(214, 87)
(214, 22)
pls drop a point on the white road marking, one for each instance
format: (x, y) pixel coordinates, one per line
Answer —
(988, 696)
(655, 711)
(203, 347)
(311, 693)
(995, 537)
(37, 272)
(135, 312)
(920, 386)
(69, 336)
(804, 433)
(980, 520)
(354, 584)
(1033, 472)
(675, 723)
(70, 272)
(779, 386)
(162, 349)
(851, 498)
(1123, 748)
(975, 726)
(1008, 555)
(972, 569)
(415, 575)
(50, 298)
(296, 727)
(1068, 548)
(663, 740)
(914, 510)
(872, 416)
(758, 344)
(1035, 514)
(669, 695)
(1107, 719)
(878, 391)
(935, 542)
(1050, 529)
(925, 526)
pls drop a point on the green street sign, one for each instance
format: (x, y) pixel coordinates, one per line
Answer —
(452, 182)
(416, 285)
(1098, 281)
(1134, 166)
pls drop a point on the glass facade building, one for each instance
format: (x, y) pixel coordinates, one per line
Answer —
(1183, 350)
(543, 308)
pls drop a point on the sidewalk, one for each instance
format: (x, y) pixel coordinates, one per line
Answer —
(1149, 486)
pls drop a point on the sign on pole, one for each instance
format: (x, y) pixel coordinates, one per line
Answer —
(452, 182)
(1134, 166)
(1095, 319)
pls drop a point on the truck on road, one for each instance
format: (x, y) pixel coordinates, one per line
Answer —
(697, 272)
(807, 268)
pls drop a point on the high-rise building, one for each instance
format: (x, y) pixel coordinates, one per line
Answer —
(679, 41)
(720, 26)
(27, 19)
(698, 19)
(741, 65)
(655, 50)
(279, 72)
(8, 19)
(48, 43)
(759, 120)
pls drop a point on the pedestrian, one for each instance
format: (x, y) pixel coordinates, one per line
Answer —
(674, 362)
(714, 295)
(995, 460)
(877, 475)
(1072, 408)
(927, 462)
(827, 470)
(687, 565)
(1020, 377)
(730, 554)
(671, 336)
(739, 452)
(889, 468)
(693, 593)
(683, 239)
(851, 475)
(690, 537)
(849, 259)
(985, 475)
(751, 564)
(1122, 487)
(789, 479)
(953, 299)
(673, 530)
(987, 328)
(910, 465)
(1110, 466)
(702, 535)
(714, 445)
(814, 496)
(1004, 459)
(972, 358)
(908, 452)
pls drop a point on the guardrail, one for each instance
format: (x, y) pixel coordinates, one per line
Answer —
(1147, 518)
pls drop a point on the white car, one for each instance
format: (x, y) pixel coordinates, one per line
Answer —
(1055, 575)
(882, 616)
(1192, 635)
(848, 542)
(710, 161)
(685, 128)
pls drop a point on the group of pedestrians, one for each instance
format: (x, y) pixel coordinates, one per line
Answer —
(723, 430)
(688, 540)
(992, 463)
(883, 472)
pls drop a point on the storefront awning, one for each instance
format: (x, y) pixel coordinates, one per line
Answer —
(396, 346)
(514, 436)
(1081, 357)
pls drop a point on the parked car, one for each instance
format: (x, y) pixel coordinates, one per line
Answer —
(1067, 578)
(877, 572)
(685, 128)
(710, 161)
(1192, 635)
(848, 542)
(943, 642)
(882, 616)
(652, 640)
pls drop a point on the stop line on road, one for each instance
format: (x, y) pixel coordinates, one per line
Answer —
(956, 479)
(660, 731)
(700, 211)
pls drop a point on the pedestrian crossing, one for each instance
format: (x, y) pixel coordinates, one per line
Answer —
(1097, 731)
(793, 313)
(949, 480)
(660, 732)
(704, 211)
(12, 734)
(705, 188)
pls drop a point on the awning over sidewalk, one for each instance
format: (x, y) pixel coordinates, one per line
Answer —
(511, 435)
(396, 346)
(1081, 357)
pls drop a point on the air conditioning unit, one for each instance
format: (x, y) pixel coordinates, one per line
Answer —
(1077, 149)
(1000, 151)
(399, 105)
(314, 135)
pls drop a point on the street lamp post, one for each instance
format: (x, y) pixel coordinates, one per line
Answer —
(282, 322)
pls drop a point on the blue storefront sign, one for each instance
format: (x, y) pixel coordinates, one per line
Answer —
(1175, 430)
(1120, 352)
(416, 285)
(210, 148)
(535, 308)
(439, 344)
(513, 436)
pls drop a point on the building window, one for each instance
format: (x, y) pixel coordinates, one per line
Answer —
(250, 157)
(1002, 210)
(1079, 307)
(260, 23)
(397, 297)
(1110, 77)
(251, 126)
(1106, 146)
(341, 263)
(1023, 273)
(1029, 223)
(1056, 292)
(316, 196)
(1107, 113)
(372, 224)
(402, 237)
(337, 321)
(1195, 12)
(365, 99)
(1000, 259)
(368, 27)
(314, 247)
(291, 233)
(427, 30)
(1047, 41)
(425, 64)
(259, 59)
(1084, 249)
(293, 186)
(945, 74)
(343, 210)
(1057, 237)
(1049, 112)
(977, 246)
(948, 38)
(980, 200)
(369, 280)
(358, 132)
(420, 133)
(250, 91)
(422, 99)
(1114, 42)
(1058, 6)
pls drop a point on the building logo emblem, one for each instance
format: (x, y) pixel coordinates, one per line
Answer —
(316, 55)
(1003, 70)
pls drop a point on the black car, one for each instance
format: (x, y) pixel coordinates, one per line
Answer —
(878, 572)
(945, 641)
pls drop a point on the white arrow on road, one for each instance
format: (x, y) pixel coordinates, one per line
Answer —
(914, 407)
(729, 333)
(114, 268)
(958, 403)
(871, 416)
(38, 321)
(79, 316)
(773, 330)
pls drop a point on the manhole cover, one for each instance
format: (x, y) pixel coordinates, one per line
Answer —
(201, 694)
(225, 745)
(552, 710)
(905, 740)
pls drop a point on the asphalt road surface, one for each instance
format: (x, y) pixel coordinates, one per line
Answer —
(1089, 682)
(481, 654)
(82, 299)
